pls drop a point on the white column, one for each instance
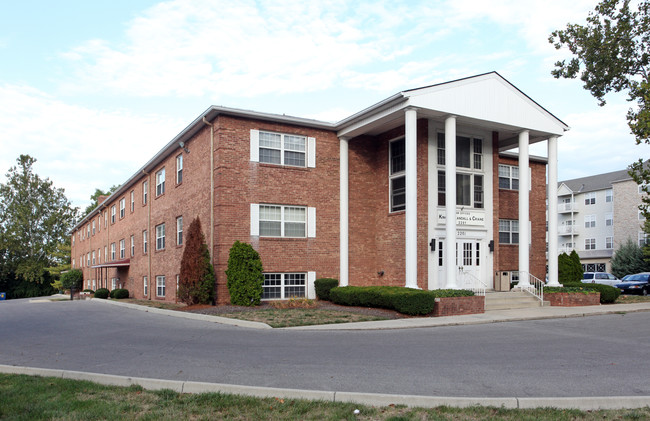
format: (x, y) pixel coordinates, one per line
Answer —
(552, 212)
(524, 211)
(411, 183)
(450, 202)
(343, 212)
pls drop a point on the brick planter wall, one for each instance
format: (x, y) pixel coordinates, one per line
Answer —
(455, 306)
(567, 299)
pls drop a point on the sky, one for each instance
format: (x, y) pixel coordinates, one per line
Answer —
(93, 89)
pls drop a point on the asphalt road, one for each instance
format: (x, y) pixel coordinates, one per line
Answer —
(589, 356)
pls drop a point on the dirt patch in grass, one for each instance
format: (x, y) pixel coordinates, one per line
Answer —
(631, 299)
(318, 312)
(153, 303)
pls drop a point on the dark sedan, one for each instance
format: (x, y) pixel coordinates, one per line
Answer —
(636, 284)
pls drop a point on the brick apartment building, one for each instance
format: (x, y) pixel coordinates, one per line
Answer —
(365, 200)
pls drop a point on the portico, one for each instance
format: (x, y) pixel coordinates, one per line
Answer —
(450, 215)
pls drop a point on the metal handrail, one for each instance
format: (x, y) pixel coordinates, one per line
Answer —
(475, 284)
(535, 287)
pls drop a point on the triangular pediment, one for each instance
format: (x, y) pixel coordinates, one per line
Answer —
(486, 98)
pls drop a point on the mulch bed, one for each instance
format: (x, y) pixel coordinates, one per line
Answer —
(321, 305)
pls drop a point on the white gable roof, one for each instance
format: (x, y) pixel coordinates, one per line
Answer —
(490, 98)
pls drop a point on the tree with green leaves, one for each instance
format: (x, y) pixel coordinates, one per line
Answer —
(196, 280)
(611, 53)
(35, 217)
(629, 259)
(95, 199)
(245, 275)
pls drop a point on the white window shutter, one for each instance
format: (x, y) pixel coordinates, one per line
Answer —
(311, 222)
(311, 152)
(255, 219)
(255, 145)
(311, 290)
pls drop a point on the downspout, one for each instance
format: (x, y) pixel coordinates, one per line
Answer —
(149, 281)
(211, 188)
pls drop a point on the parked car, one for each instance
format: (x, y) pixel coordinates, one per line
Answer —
(600, 278)
(638, 283)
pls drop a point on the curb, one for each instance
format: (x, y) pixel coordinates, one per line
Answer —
(373, 399)
(191, 316)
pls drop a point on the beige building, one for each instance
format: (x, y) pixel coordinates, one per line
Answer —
(597, 214)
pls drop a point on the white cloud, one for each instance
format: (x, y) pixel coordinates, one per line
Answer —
(78, 148)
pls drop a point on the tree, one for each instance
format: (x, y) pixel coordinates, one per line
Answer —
(569, 268)
(628, 259)
(244, 273)
(611, 53)
(196, 279)
(72, 279)
(576, 267)
(95, 199)
(34, 218)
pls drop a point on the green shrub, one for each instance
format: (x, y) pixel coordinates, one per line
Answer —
(323, 287)
(88, 290)
(72, 279)
(244, 273)
(404, 300)
(102, 293)
(120, 293)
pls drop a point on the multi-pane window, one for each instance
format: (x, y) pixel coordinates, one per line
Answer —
(99, 255)
(105, 254)
(179, 231)
(122, 207)
(160, 237)
(112, 251)
(478, 191)
(122, 248)
(282, 221)
(284, 285)
(93, 227)
(397, 175)
(282, 149)
(132, 246)
(590, 221)
(644, 239)
(160, 182)
(469, 152)
(94, 257)
(160, 286)
(88, 259)
(590, 198)
(508, 177)
(609, 219)
(469, 190)
(442, 188)
(145, 286)
(609, 195)
(590, 244)
(145, 190)
(508, 231)
(132, 200)
(179, 169)
(99, 223)
(609, 242)
(113, 214)
(144, 241)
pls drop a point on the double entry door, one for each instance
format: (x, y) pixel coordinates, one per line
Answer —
(468, 262)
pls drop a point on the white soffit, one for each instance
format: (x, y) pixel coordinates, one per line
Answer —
(488, 98)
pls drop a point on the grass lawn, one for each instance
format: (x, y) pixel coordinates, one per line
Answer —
(287, 317)
(46, 398)
(629, 299)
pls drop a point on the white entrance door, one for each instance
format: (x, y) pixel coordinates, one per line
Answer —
(469, 263)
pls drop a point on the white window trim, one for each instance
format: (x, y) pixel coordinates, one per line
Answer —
(310, 145)
(310, 229)
(160, 237)
(179, 169)
(179, 231)
(392, 176)
(145, 243)
(145, 286)
(122, 249)
(160, 182)
(132, 245)
(132, 200)
(160, 284)
(145, 188)
(310, 290)
(122, 207)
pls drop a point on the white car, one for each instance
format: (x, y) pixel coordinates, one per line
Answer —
(600, 278)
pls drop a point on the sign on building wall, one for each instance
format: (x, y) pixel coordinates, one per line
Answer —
(464, 217)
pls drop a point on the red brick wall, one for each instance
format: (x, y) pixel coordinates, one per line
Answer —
(456, 306)
(240, 182)
(565, 299)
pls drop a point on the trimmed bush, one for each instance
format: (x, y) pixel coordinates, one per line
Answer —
(119, 293)
(323, 287)
(409, 301)
(244, 273)
(102, 293)
(88, 290)
(72, 279)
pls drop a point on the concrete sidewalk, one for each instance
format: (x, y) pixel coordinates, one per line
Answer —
(494, 316)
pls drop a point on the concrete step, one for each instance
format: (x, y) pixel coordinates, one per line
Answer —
(510, 300)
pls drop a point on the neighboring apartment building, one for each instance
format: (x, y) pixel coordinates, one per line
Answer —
(596, 215)
(365, 200)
